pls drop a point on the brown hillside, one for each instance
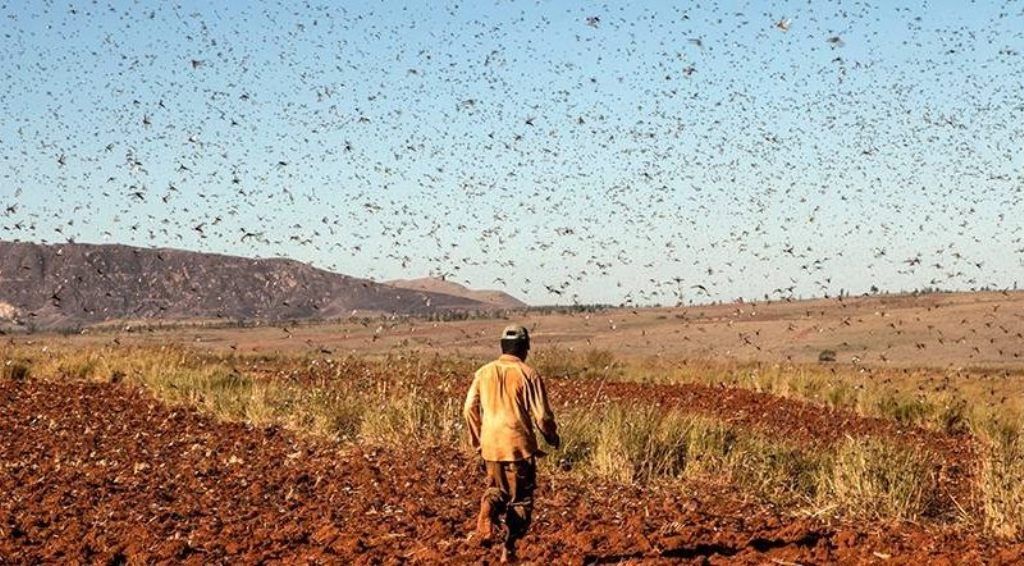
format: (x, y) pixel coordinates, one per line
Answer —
(498, 299)
(70, 284)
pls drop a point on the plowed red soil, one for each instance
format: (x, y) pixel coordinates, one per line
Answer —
(102, 473)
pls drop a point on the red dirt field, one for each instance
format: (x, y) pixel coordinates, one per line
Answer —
(102, 473)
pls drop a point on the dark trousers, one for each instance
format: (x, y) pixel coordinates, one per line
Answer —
(509, 497)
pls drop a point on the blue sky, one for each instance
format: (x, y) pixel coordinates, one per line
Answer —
(513, 145)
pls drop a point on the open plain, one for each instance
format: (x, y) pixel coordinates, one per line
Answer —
(936, 330)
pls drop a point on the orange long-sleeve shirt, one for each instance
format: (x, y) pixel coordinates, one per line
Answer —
(505, 401)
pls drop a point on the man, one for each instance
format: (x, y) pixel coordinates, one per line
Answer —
(505, 402)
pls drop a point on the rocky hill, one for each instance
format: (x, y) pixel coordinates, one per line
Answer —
(61, 285)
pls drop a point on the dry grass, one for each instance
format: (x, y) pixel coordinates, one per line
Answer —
(871, 479)
(861, 478)
(412, 417)
(590, 363)
(915, 400)
(1001, 476)
(633, 444)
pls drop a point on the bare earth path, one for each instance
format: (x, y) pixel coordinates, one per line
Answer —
(102, 473)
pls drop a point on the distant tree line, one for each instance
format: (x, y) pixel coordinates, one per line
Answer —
(439, 316)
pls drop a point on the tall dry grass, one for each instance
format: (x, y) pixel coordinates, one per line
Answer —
(861, 478)
(875, 479)
(1001, 475)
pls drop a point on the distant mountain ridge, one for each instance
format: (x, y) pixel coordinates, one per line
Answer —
(61, 285)
(499, 299)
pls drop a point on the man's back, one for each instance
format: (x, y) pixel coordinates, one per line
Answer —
(506, 399)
